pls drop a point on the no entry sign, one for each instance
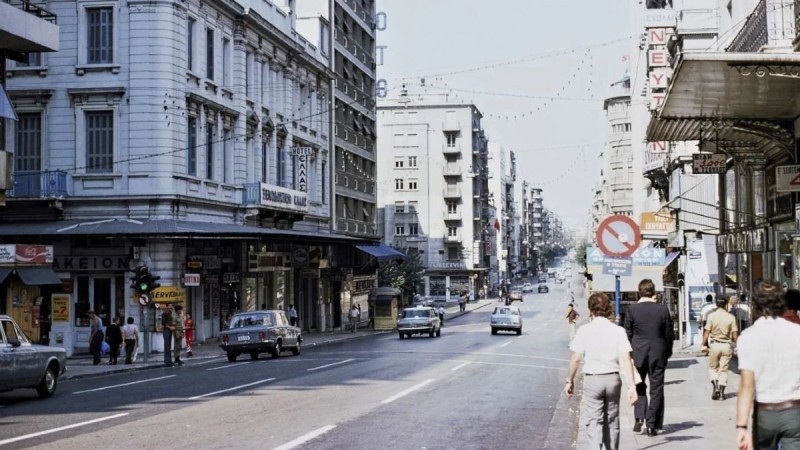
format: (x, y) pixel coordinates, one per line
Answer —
(618, 236)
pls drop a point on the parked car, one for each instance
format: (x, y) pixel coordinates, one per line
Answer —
(507, 318)
(27, 365)
(527, 287)
(515, 294)
(255, 332)
(422, 300)
(419, 320)
(543, 289)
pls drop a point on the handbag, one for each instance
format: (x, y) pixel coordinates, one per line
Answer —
(105, 348)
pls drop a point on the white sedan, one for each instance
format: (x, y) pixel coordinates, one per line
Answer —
(507, 318)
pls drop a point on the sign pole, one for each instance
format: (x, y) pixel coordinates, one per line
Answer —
(616, 300)
(146, 335)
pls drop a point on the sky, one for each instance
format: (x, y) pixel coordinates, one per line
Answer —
(538, 70)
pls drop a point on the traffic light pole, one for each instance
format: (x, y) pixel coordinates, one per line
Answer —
(146, 335)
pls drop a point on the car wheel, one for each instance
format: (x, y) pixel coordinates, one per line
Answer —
(253, 355)
(432, 333)
(296, 349)
(439, 332)
(47, 387)
(276, 351)
(401, 336)
(494, 330)
(232, 356)
(519, 331)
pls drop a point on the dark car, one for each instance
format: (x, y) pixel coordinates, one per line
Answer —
(256, 332)
(419, 320)
(27, 365)
(543, 289)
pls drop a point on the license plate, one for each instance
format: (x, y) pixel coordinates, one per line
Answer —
(244, 338)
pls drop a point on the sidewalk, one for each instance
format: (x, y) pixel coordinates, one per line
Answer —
(80, 366)
(691, 418)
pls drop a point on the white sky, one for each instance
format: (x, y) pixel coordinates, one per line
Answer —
(525, 48)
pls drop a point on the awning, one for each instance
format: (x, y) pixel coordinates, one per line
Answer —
(671, 257)
(4, 272)
(381, 252)
(36, 276)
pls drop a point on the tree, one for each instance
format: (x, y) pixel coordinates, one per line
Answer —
(405, 275)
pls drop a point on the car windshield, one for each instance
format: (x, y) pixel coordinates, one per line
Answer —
(411, 313)
(246, 320)
(508, 311)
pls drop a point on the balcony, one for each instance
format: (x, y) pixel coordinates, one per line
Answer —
(452, 215)
(25, 27)
(451, 149)
(451, 126)
(45, 184)
(452, 238)
(452, 170)
(771, 25)
(452, 192)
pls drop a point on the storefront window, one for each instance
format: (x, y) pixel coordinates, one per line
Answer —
(459, 285)
(82, 302)
(438, 287)
(785, 260)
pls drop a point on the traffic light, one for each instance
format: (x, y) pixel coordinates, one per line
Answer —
(147, 281)
(136, 277)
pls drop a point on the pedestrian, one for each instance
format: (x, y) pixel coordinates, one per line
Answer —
(114, 339)
(572, 321)
(292, 316)
(130, 333)
(462, 302)
(707, 308)
(440, 311)
(371, 312)
(96, 337)
(188, 331)
(167, 326)
(353, 319)
(606, 352)
(648, 325)
(719, 337)
(792, 298)
(769, 375)
(471, 297)
(227, 322)
(178, 334)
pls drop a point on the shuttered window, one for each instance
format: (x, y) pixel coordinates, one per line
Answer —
(99, 141)
(28, 152)
(101, 34)
(191, 160)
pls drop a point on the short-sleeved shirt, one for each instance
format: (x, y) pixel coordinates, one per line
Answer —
(601, 342)
(707, 309)
(721, 325)
(768, 349)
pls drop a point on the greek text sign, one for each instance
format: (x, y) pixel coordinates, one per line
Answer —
(282, 198)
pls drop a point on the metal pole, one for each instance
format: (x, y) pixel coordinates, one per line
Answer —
(146, 336)
(616, 300)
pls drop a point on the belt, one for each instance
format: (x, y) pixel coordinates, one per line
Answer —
(779, 406)
(598, 374)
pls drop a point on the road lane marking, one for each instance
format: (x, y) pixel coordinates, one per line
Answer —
(197, 397)
(121, 385)
(208, 362)
(230, 365)
(305, 438)
(56, 430)
(505, 345)
(460, 366)
(331, 364)
(407, 391)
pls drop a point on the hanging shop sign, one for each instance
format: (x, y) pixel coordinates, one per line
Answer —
(743, 241)
(282, 198)
(709, 163)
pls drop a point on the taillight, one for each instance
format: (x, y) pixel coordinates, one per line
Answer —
(225, 339)
(262, 335)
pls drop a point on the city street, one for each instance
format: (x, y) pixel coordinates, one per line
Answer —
(467, 389)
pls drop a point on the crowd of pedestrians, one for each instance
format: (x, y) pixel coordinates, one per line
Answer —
(768, 398)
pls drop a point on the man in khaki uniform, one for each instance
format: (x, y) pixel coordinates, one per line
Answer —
(719, 337)
(177, 334)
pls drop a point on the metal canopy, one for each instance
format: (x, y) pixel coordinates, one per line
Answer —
(4, 273)
(382, 252)
(36, 276)
(758, 86)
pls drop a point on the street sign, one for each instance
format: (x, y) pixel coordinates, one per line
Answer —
(144, 299)
(709, 163)
(618, 236)
(787, 178)
(191, 279)
(622, 267)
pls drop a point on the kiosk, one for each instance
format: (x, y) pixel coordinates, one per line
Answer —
(386, 301)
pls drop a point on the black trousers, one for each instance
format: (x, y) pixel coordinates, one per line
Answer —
(129, 345)
(652, 411)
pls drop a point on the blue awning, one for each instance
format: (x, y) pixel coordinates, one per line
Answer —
(37, 276)
(671, 257)
(4, 272)
(381, 252)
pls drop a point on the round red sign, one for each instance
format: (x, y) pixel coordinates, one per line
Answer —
(618, 236)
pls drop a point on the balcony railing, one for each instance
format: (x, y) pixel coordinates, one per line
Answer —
(47, 184)
(453, 192)
(37, 11)
(452, 170)
(452, 238)
(451, 125)
(451, 149)
(452, 215)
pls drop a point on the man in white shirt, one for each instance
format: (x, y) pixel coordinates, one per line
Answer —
(769, 373)
(707, 309)
(606, 352)
(292, 316)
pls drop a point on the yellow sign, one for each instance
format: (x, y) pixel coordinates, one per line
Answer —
(164, 294)
(657, 222)
(60, 311)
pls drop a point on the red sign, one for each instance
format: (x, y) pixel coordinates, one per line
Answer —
(618, 236)
(34, 254)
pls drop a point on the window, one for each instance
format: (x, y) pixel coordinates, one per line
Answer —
(34, 59)
(248, 74)
(412, 207)
(265, 87)
(346, 182)
(452, 253)
(280, 162)
(398, 163)
(227, 145)
(191, 26)
(452, 231)
(210, 54)
(191, 138)
(355, 183)
(28, 150)
(412, 161)
(399, 230)
(264, 158)
(324, 177)
(452, 207)
(451, 139)
(226, 63)
(209, 150)
(398, 184)
(399, 207)
(99, 141)
(100, 35)
(412, 185)
(413, 229)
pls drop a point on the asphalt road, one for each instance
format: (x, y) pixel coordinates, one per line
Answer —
(466, 389)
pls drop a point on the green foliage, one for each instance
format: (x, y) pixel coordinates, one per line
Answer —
(405, 275)
(580, 252)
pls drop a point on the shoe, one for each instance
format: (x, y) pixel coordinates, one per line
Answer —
(722, 392)
(637, 427)
(168, 364)
(651, 432)
(715, 392)
(189, 353)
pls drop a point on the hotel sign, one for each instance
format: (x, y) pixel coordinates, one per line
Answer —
(282, 198)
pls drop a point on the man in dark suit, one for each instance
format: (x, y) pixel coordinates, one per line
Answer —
(649, 328)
